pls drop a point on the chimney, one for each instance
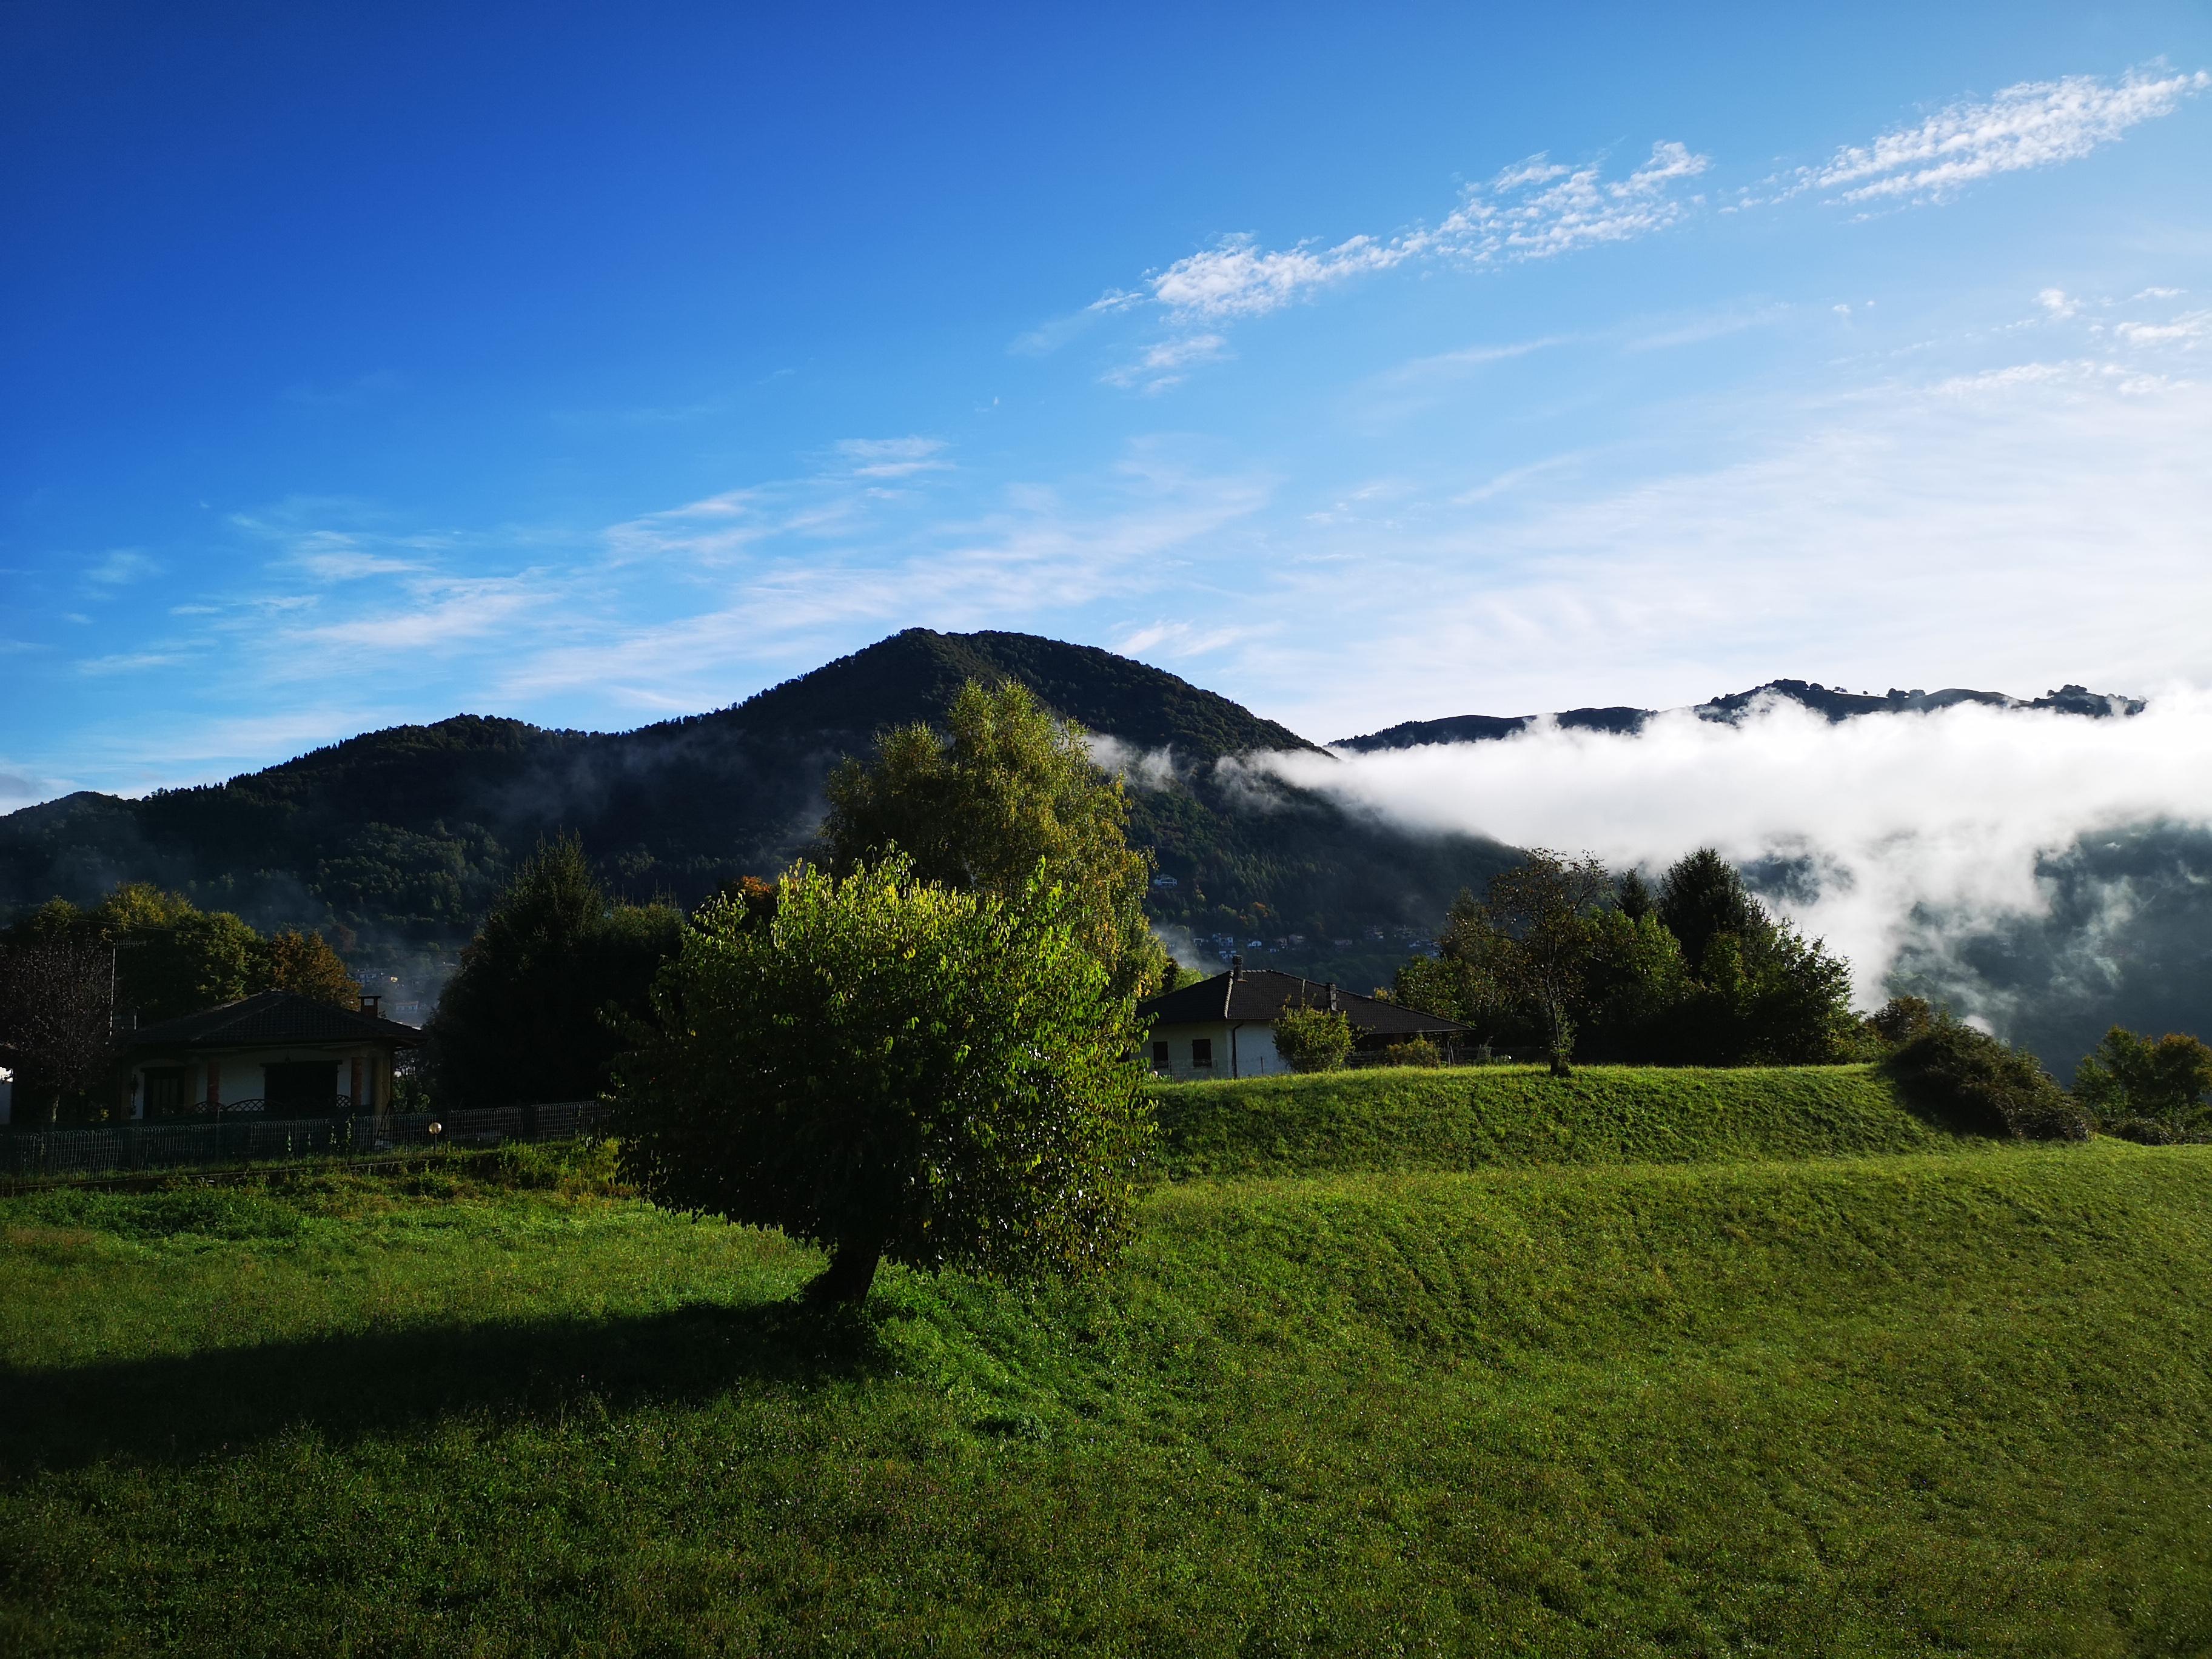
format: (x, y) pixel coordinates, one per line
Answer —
(1237, 967)
(1331, 996)
(369, 1004)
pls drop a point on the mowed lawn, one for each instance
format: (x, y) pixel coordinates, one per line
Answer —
(1948, 1400)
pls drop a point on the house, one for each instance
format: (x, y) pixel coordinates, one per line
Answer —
(1223, 1026)
(276, 1054)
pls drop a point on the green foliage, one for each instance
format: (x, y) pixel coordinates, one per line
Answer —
(2146, 1089)
(1702, 898)
(533, 1013)
(1313, 1039)
(1009, 789)
(893, 1068)
(1901, 1019)
(1413, 1051)
(1469, 978)
(305, 963)
(1618, 984)
(1889, 1407)
(1981, 1085)
(1542, 909)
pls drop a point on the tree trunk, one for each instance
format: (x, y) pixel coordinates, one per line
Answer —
(852, 1270)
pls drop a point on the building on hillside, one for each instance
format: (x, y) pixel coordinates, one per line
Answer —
(276, 1054)
(1223, 1026)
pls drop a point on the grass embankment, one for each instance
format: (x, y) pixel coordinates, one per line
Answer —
(1901, 1403)
(1428, 1119)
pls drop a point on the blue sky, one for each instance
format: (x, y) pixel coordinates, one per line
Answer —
(588, 365)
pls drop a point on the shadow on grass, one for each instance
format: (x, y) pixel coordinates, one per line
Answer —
(176, 1409)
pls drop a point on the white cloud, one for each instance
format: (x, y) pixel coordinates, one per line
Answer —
(2184, 330)
(1179, 640)
(1980, 530)
(120, 569)
(1036, 553)
(131, 662)
(2035, 124)
(1535, 209)
(1161, 366)
(2054, 300)
(1907, 821)
(893, 458)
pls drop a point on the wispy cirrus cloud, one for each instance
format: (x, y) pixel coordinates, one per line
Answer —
(1166, 364)
(2034, 123)
(893, 458)
(120, 569)
(1534, 209)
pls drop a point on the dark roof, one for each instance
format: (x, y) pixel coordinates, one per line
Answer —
(1262, 993)
(273, 1017)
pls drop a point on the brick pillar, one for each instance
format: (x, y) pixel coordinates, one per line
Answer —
(214, 1082)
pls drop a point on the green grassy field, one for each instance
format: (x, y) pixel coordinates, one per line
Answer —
(1893, 1396)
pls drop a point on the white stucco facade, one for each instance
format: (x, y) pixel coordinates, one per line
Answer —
(1236, 1048)
(361, 1073)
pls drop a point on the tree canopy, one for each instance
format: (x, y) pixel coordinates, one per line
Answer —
(1560, 957)
(2153, 1090)
(893, 1068)
(533, 1013)
(1006, 790)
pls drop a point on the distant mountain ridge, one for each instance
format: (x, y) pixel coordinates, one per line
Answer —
(1832, 702)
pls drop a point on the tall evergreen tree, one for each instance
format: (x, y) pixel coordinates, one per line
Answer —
(1701, 897)
(533, 1013)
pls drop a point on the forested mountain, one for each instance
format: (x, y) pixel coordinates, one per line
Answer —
(398, 838)
(392, 844)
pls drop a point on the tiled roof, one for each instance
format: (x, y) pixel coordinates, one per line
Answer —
(272, 1018)
(1262, 995)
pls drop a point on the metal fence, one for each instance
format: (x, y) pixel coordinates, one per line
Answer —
(265, 1141)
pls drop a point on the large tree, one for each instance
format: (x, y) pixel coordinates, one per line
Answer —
(1007, 788)
(1701, 898)
(893, 1069)
(534, 1013)
(56, 1015)
(1544, 906)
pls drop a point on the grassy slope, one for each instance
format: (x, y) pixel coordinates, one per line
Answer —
(1899, 1404)
(1415, 1119)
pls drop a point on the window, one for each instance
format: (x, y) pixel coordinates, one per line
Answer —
(164, 1091)
(1201, 1053)
(1159, 1056)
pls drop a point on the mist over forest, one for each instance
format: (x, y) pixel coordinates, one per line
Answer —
(2042, 866)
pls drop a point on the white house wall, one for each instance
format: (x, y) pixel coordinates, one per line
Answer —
(1253, 1055)
(241, 1076)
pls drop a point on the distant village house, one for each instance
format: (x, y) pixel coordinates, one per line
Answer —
(277, 1054)
(1224, 1027)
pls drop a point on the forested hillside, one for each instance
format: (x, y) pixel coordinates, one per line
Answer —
(398, 839)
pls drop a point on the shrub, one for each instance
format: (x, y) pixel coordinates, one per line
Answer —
(1414, 1051)
(1313, 1039)
(895, 1069)
(1980, 1085)
(2146, 1091)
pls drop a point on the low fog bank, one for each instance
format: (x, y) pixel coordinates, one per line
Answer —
(2048, 872)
